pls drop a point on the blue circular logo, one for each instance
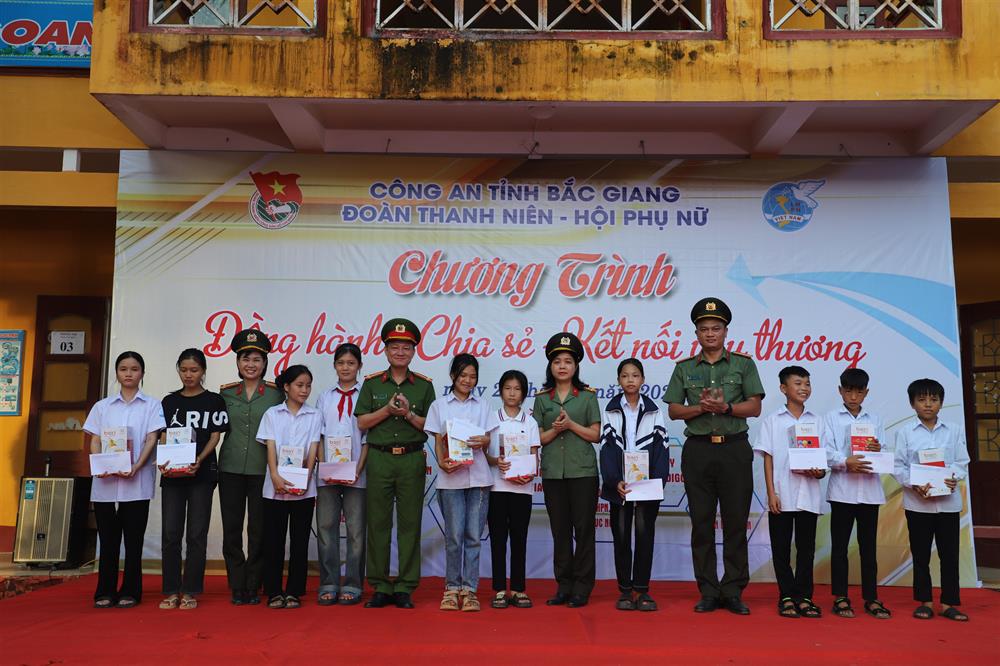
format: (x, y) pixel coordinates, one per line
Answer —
(790, 206)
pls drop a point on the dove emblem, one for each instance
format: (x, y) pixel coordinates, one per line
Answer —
(790, 206)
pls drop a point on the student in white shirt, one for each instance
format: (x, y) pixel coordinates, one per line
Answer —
(510, 500)
(336, 497)
(794, 500)
(295, 427)
(855, 494)
(463, 490)
(121, 501)
(932, 519)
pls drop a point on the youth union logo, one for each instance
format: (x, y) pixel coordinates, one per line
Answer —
(277, 200)
(790, 206)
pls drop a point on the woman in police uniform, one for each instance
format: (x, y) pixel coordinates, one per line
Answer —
(569, 419)
(242, 465)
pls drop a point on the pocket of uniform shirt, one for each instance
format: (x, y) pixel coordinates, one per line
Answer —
(732, 387)
(694, 389)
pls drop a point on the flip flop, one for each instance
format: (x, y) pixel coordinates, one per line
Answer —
(188, 603)
(924, 612)
(170, 602)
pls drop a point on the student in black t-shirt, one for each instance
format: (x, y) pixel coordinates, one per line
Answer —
(187, 492)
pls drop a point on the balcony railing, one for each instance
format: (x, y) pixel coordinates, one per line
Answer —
(234, 14)
(545, 16)
(897, 16)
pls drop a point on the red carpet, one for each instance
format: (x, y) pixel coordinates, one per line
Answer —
(58, 625)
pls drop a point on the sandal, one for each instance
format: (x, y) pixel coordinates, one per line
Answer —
(646, 603)
(276, 601)
(808, 609)
(470, 602)
(500, 600)
(103, 602)
(877, 610)
(449, 602)
(292, 601)
(520, 600)
(348, 598)
(327, 598)
(127, 602)
(188, 602)
(924, 612)
(625, 602)
(786, 607)
(842, 607)
(954, 614)
(170, 602)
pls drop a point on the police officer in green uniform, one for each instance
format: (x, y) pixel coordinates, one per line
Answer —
(569, 423)
(242, 465)
(714, 392)
(392, 407)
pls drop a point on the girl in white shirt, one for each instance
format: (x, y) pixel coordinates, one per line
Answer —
(510, 500)
(121, 501)
(291, 429)
(336, 497)
(463, 489)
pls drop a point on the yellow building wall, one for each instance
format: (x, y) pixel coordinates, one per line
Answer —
(48, 253)
(742, 67)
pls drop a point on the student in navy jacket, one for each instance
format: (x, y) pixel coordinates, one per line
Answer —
(632, 423)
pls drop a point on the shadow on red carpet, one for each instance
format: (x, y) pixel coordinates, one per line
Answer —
(58, 625)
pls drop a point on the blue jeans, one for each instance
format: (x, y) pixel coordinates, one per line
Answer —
(330, 502)
(464, 514)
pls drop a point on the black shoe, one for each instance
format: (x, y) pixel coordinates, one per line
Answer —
(706, 605)
(238, 598)
(736, 605)
(251, 598)
(559, 600)
(578, 601)
(402, 600)
(379, 600)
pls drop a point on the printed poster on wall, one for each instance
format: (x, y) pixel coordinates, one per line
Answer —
(825, 263)
(11, 372)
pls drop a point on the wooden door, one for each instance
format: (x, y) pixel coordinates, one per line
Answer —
(68, 378)
(980, 325)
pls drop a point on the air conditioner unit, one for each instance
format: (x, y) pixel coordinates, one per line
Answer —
(44, 516)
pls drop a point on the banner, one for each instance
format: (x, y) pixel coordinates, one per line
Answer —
(43, 33)
(824, 263)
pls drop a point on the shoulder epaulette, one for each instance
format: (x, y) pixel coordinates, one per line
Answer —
(690, 358)
(423, 377)
(271, 384)
(743, 354)
(375, 374)
(587, 388)
(229, 385)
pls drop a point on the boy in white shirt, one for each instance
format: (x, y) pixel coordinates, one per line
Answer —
(793, 497)
(855, 495)
(932, 518)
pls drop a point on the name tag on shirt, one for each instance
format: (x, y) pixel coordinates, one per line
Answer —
(933, 457)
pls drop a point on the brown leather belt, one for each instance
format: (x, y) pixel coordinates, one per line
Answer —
(398, 450)
(721, 439)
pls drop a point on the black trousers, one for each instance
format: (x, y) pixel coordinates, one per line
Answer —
(719, 475)
(241, 497)
(187, 504)
(292, 518)
(842, 519)
(509, 517)
(572, 506)
(943, 530)
(633, 571)
(797, 585)
(114, 522)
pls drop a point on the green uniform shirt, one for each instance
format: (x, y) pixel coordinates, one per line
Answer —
(376, 393)
(567, 456)
(241, 453)
(735, 373)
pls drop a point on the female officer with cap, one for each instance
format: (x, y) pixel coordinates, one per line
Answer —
(569, 419)
(243, 463)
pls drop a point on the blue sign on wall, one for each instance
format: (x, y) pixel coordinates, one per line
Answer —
(46, 33)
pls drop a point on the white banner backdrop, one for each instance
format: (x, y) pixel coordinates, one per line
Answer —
(825, 264)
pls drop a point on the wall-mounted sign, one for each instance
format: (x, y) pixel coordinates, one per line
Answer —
(11, 371)
(66, 342)
(37, 33)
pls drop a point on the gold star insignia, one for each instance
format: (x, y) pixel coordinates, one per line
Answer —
(277, 187)
(710, 306)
